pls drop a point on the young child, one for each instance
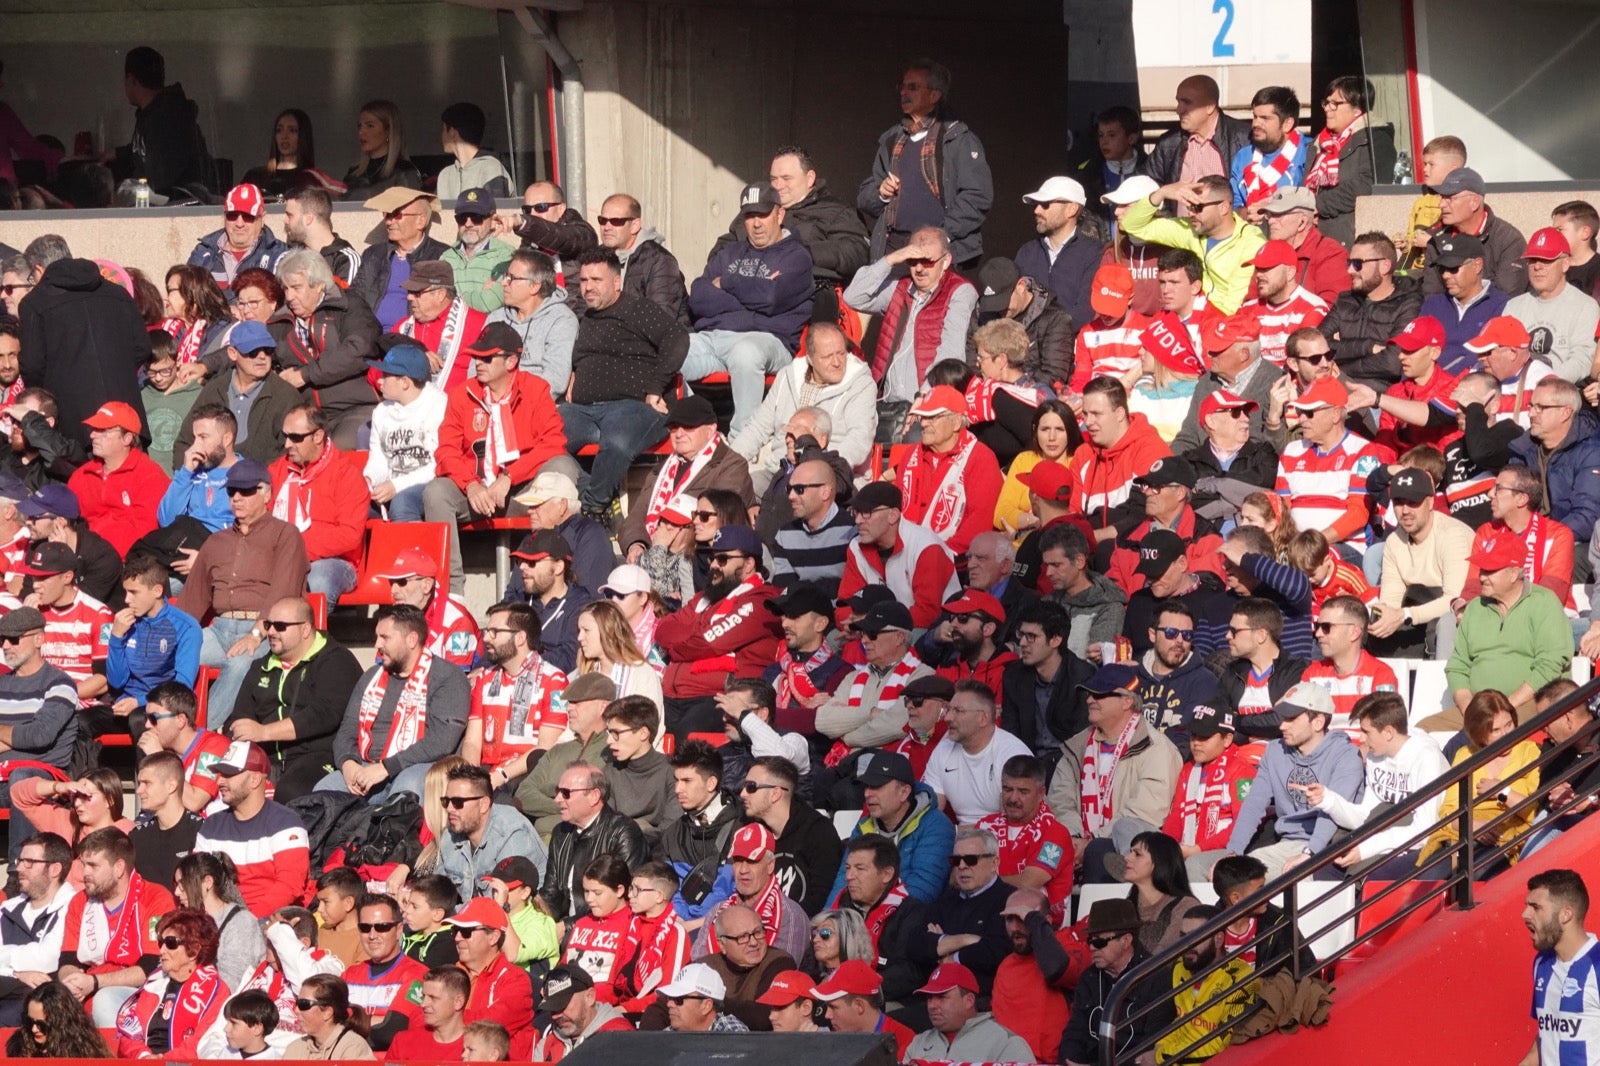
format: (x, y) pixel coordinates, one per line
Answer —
(337, 892)
(513, 884)
(605, 941)
(1439, 157)
(663, 940)
(485, 1042)
(165, 411)
(425, 902)
(1330, 575)
(248, 1019)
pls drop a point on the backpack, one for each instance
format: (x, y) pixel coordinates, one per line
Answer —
(331, 818)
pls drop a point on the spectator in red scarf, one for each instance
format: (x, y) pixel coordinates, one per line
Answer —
(320, 491)
(190, 995)
(894, 917)
(1344, 169)
(951, 480)
(755, 881)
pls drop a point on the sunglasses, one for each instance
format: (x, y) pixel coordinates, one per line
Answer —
(532, 209)
(822, 934)
(1099, 942)
(618, 597)
(751, 788)
(458, 802)
(966, 860)
(566, 793)
(918, 701)
(702, 516)
(298, 437)
(171, 943)
(724, 558)
(38, 1026)
(1174, 633)
(279, 627)
(8, 290)
(9, 641)
(240, 216)
(308, 1004)
(402, 582)
(678, 1001)
(1357, 264)
(922, 262)
(466, 934)
(604, 221)
(1316, 358)
(797, 489)
(376, 927)
(470, 220)
(232, 492)
(1322, 629)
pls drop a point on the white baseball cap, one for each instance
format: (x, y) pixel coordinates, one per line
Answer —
(1058, 188)
(696, 979)
(1132, 190)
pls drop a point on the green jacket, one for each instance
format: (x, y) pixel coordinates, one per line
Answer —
(1228, 268)
(1532, 643)
(478, 278)
(537, 792)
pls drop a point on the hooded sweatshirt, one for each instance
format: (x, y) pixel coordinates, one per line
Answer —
(761, 290)
(404, 439)
(1105, 475)
(168, 148)
(1335, 763)
(1168, 698)
(1392, 779)
(1097, 613)
(547, 339)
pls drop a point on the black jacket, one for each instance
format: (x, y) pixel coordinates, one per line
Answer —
(653, 273)
(167, 149)
(808, 854)
(1080, 1042)
(84, 341)
(684, 841)
(344, 335)
(59, 454)
(980, 915)
(264, 438)
(1051, 336)
(1286, 673)
(1336, 205)
(1358, 323)
(372, 277)
(1166, 159)
(567, 238)
(366, 180)
(901, 972)
(1256, 464)
(830, 229)
(573, 849)
(313, 695)
(1067, 712)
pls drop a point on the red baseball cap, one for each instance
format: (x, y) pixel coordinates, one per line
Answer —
(787, 987)
(1547, 243)
(976, 600)
(1049, 480)
(853, 978)
(114, 415)
(1223, 333)
(1423, 332)
(948, 975)
(1502, 332)
(1275, 254)
(411, 562)
(480, 913)
(1324, 392)
(941, 399)
(1223, 400)
(246, 198)
(1497, 549)
(752, 843)
(1111, 292)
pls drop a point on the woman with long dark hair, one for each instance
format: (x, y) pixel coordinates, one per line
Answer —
(334, 1029)
(1055, 436)
(291, 159)
(196, 311)
(679, 557)
(55, 1026)
(1159, 888)
(209, 881)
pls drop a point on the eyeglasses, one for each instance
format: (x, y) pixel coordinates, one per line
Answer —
(1543, 407)
(233, 491)
(1357, 264)
(238, 216)
(751, 787)
(516, 277)
(702, 516)
(604, 221)
(247, 304)
(8, 641)
(376, 927)
(749, 937)
(868, 514)
(1333, 103)
(279, 627)
(536, 209)
(967, 860)
(298, 437)
(8, 290)
(458, 802)
(1026, 637)
(25, 861)
(1099, 942)
(396, 216)
(171, 943)
(308, 1004)
(566, 793)
(724, 558)
(618, 734)
(797, 489)
(1174, 633)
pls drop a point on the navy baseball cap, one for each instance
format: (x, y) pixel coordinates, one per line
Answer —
(737, 539)
(248, 337)
(475, 202)
(57, 500)
(404, 360)
(1113, 678)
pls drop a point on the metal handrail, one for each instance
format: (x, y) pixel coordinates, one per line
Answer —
(1463, 857)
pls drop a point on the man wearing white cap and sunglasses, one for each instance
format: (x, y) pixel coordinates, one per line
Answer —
(1061, 258)
(552, 503)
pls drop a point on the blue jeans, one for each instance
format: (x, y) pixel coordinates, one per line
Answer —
(331, 577)
(21, 828)
(747, 357)
(407, 505)
(623, 429)
(215, 640)
(409, 780)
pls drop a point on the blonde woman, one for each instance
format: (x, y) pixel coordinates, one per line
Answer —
(1165, 387)
(433, 824)
(383, 163)
(606, 646)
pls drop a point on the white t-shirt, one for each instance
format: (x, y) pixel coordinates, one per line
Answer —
(970, 784)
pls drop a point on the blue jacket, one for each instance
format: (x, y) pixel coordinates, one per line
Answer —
(765, 290)
(1070, 277)
(208, 253)
(1571, 474)
(1461, 327)
(1241, 159)
(925, 840)
(202, 496)
(162, 647)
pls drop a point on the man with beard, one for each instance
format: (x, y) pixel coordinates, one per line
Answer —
(575, 1015)
(452, 631)
(1283, 304)
(38, 711)
(965, 645)
(1566, 996)
(1425, 568)
(718, 634)
(308, 223)
(1361, 322)
(807, 670)
(1212, 230)
(545, 563)
(1230, 987)
(756, 888)
(1030, 985)
(518, 710)
(198, 488)
(480, 832)
(1172, 677)
(266, 840)
(806, 845)
(815, 545)
(1275, 158)
(40, 453)
(1061, 258)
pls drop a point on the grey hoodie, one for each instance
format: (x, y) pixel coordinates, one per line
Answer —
(1335, 764)
(1097, 613)
(508, 833)
(603, 1013)
(547, 338)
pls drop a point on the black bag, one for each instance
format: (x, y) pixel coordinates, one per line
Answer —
(331, 819)
(394, 834)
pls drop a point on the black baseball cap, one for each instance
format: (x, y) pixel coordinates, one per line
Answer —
(1168, 470)
(802, 600)
(1411, 485)
(890, 615)
(1206, 721)
(876, 494)
(868, 598)
(886, 766)
(1159, 549)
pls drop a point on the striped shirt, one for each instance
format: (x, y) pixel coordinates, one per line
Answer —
(270, 851)
(1344, 580)
(1278, 321)
(1370, 675)
(1329, 489)
(75, 638)
(1517, 394)
(42, 710)
(800, 555)
(1105, 349)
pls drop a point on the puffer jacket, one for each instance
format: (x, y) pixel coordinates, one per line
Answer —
(567, 238)
(83, 339)
(966, 186)
(1228, 274)
(762, 290)
(1166, 159)
(372, 276)
(344, 335)
(852, 404)
(650, 271)
(924, 839)
(1052, 337)
(830, 229)
(1105, 475)
(1142, 785)
(1355, 323)
(208, 253)
(1571, 473)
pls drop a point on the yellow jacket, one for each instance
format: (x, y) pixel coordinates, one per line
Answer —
(1228, 271)
(1234, 981)
(1516, 778)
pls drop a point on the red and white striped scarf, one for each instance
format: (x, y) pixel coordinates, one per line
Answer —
(794, 678)
(1324, 173)
(188, 337)
(1096, 780)
(663, 951)
(949, 501)
(768, 907)
(451, 339)
(1262, 176)
(881, 912)
(888, 696)
(665, 491)
(1211, 793)
(410, 721)
(293, 502)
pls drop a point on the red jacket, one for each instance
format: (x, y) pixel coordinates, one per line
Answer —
(920, 570)
(120, 506)
(988, 672)
(335, 520)
(1201, 551)
(976, 492)
(735, 637)
(504, 993)
(1105, 475)
(1323, 267)
(1224, 783)
(535, 425)
(198, 1004)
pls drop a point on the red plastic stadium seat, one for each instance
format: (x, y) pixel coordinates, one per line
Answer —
(386, 540)
(202, 692)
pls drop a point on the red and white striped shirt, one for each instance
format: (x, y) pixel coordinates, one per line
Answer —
(1278, 321)
(1104, 349)
(1370, 675)
(452, 631)
(1329, 489)
(1344, 580)
(1517, 394)
(75, 638)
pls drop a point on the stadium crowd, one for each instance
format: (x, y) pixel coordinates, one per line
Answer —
(1092, 564)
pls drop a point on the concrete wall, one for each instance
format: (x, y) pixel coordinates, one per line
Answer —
(1525, 205)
